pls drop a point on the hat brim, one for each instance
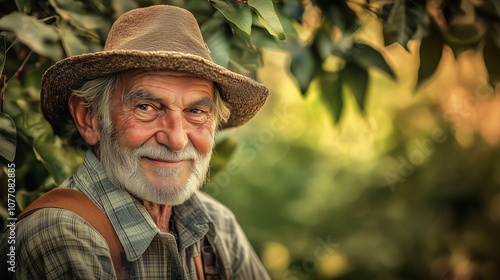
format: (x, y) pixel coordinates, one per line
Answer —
(244, 95)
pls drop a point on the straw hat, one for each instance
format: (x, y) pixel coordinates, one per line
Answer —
(159, 37)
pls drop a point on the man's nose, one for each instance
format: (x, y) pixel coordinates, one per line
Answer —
(172, 132)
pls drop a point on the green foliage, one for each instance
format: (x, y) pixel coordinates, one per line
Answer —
(431, 48)
(331, 92)
(304, 65)
(236, 12)
(39, 134)
(2, 53)
(339, 14)
(464, 25)
(402, 21)
(356, 78)
(87, 17)
(7, 137)
(217, 40)
(366, 57)
(268, 17)
(41, 38)
(491, 51)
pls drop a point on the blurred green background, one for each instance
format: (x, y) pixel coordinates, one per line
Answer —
(408, 190)
(375, 157)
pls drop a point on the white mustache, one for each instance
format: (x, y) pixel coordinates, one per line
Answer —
(164, 153)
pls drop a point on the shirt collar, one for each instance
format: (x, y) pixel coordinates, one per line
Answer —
(129, 218)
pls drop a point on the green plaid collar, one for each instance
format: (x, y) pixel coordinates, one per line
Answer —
(129, 218)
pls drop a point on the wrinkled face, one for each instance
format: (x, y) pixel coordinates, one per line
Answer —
(159, 144)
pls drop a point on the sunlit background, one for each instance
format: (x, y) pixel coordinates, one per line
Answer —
(407, 190)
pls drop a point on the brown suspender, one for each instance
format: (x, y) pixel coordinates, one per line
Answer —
(81, 205)
(206, 263)
(77, 202)
(209, 258)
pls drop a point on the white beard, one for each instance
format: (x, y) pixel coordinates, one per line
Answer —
(123, 167)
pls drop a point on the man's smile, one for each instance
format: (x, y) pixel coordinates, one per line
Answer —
(165, 163)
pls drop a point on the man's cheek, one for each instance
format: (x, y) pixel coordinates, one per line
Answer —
(133, 134)
(202, 141)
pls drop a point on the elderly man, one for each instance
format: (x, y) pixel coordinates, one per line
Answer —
(149, 105)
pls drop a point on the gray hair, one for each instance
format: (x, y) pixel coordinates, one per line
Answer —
(97, 95)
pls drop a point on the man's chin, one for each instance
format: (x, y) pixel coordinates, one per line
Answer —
(166, 196)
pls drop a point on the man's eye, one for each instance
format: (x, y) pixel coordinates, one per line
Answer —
(197, 116)
(196, 111)
(145, 107)
(146, 112)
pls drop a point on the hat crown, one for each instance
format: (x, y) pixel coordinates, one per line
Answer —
(160, 28)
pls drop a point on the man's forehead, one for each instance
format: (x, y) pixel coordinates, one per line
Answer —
(131, 82)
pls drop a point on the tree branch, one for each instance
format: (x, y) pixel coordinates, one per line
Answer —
(2, 92)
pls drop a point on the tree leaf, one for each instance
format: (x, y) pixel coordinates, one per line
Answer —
(38, 130)
(261, 39)
(331, 93)
(76, 12)
(8, 136)
(236, 13)
(356, 78)
(431, 50)
(403, 22)
(323, 43)
(246, 65)
(216, 40)
(268, 17)
(339, 14)
(3, 53)
(303, 66)
(243, 57)
(71, 43)
(365, 56)
(40, 37)
(491, 53)
(286, 21)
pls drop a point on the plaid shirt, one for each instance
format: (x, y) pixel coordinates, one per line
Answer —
(58, 244)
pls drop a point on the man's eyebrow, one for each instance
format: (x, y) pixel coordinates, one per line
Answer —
(205, 101)
(142, 94)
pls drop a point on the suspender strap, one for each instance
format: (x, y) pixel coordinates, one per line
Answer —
(199, 268)
(81, 205)
(209, 258)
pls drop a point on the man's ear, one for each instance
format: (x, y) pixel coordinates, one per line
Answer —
(86, 122)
